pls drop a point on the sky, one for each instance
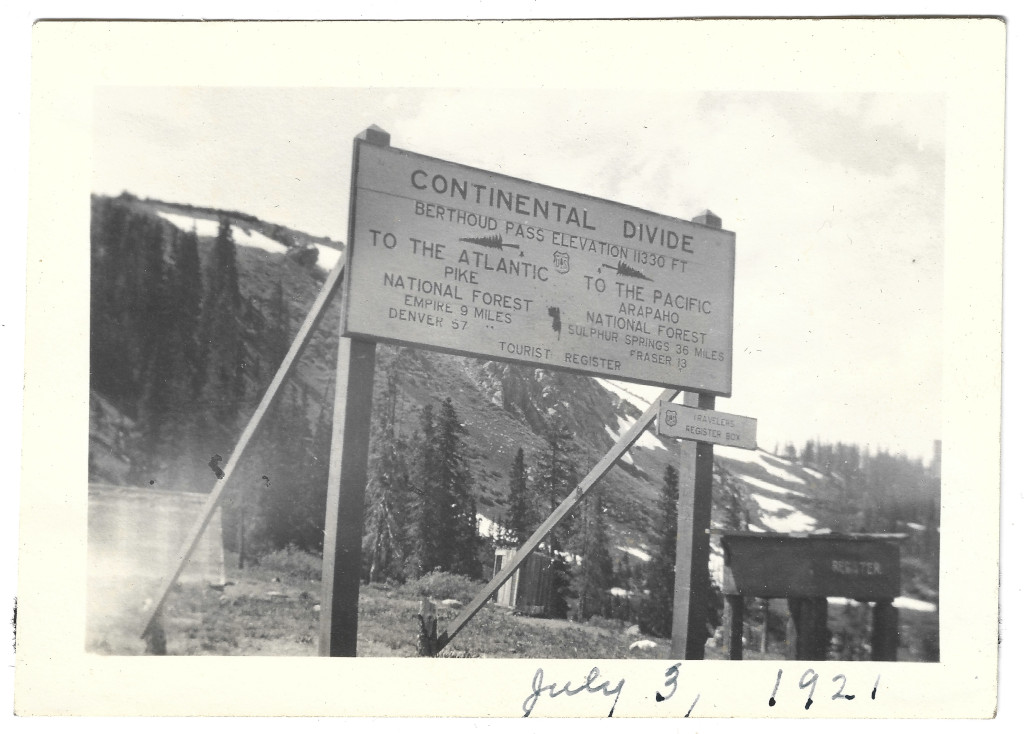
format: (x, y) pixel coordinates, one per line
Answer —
(836, 201)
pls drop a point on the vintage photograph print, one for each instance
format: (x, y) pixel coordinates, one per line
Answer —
(543, 374)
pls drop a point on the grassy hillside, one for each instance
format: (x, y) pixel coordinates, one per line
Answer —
(274, 609)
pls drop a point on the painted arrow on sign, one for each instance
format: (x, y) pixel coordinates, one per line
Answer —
(710, 426)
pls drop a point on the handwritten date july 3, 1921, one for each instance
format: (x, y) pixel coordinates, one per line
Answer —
(538, 688)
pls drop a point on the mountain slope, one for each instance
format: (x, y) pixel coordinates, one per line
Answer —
(503, 406)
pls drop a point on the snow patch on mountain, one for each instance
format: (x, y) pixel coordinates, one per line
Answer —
(762, 459)
(210, 227)
(622, 392)
(761, 484)
(327, 257)
(716, 563)
(772, 505)
(647, 439)
(487, 528)
(782, 517)
(257, 240)
(203, 227)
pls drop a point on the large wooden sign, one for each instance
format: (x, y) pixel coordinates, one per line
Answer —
(473, 262)
(710, 426)
(779, 565)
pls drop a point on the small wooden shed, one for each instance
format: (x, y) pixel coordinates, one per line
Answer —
(529, 588)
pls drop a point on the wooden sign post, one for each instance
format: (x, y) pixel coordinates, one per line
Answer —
(350, 444)
(693, 542)
(343, 527)
(693, 421)
(693, 536)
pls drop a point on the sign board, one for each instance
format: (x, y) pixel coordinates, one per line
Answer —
(473, 262)
(710, 426)
(779, 565)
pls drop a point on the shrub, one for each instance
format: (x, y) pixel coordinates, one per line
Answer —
(293, 562)
(450, 653)
(444, 585)
(614, 625)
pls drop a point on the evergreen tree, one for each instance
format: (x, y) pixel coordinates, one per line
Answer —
(656, 611)
(627, 579)
(223, 274)
(220, 335)
(130, 292)
(387, 491)
(429, 516)
(155, 307)
(521, 516)
(456, 491)
(556, 477)
(309, 490)
(108, 368)
(807, 458)
(127, 264)
(731, 496)
(140, 335)
(159, 352)
(623, 572)
(593, 576)
(278, 327)
(190, 466)
(446, 532)
(188, 290)
(316, 468)
(270, 499)
(826, 458)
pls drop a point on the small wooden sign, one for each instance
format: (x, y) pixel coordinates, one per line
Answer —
(781, 565)
(710, 426)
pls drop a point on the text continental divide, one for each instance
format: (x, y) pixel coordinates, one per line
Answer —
(523, 204)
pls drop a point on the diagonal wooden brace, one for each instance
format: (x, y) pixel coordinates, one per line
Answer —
(575, 497)
(302, 339)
